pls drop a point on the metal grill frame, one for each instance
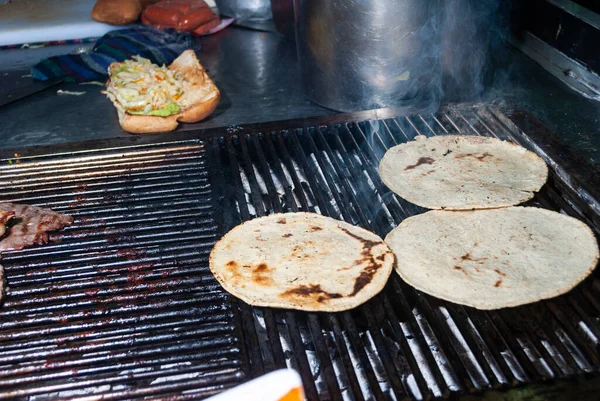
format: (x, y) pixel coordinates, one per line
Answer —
(440, 362)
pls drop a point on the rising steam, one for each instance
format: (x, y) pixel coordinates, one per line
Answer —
(462, 44)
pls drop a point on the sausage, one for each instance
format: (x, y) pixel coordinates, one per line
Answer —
(182, 15)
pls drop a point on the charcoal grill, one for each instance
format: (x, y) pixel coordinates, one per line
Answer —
(122, 304)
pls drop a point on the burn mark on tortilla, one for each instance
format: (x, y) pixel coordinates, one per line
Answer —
(315, 228)
(457, 267)
(311, 291)
(262, 280)
(281, 221)
(232, 267)
(287, 235)
(498, 283)
(261, 268)
(478, 157)
(468, 257)
(366, 256)
(422, 160)
(260, 274)
(447, 152)
(500, 273)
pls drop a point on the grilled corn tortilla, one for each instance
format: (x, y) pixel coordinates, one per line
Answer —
(496, 258)
(301, 261)
(462, 172)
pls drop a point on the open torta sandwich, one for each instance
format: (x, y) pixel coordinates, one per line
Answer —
(149, 98)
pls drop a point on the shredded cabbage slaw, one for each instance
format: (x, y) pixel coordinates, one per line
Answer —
(141, 87)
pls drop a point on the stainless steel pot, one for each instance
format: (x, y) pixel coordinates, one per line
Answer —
(245, 10)
(367, 54)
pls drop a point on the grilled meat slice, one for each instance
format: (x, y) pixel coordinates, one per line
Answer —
(2, 284)
(5, 215)
(32, 225)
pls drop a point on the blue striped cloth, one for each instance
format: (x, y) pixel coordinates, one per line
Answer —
(161, 47)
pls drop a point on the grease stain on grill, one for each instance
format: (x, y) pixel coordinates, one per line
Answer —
(80, 200)
(90, 292)
(422, 160)
(80, 187)
(313, 291)
(119, 238)
(135, 278)
(45, 271)
(131, 253)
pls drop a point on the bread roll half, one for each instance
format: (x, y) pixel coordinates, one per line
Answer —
(199, 99)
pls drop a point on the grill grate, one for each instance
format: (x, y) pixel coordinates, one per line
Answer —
(123, 305)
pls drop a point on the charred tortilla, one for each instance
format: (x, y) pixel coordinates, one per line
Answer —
(301, 261)
(462, 172)
(496, 258)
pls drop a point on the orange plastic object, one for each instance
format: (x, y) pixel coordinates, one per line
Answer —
(294, 395)
(280, 385)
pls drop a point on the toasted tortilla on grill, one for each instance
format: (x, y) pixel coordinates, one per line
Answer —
(32, 225)
(495, 258)
(301, 261)
(462, 172)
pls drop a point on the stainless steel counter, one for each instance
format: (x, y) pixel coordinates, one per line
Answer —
(258, 77)
(255, 71)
